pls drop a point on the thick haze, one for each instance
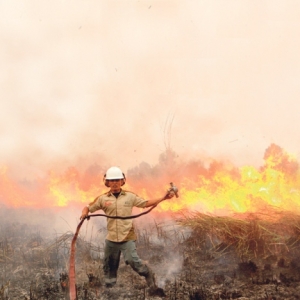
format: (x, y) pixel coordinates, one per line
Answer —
(115, 82)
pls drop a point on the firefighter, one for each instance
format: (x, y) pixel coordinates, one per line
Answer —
(120, 232)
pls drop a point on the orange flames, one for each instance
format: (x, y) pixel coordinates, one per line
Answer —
(218, 187)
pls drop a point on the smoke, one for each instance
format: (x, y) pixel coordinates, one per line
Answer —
(164, 235)
(97, 81)
(172, 267)
(92, 84)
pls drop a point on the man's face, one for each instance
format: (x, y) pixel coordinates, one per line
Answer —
(115, 185)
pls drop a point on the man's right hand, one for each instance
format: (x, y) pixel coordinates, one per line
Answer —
(85, 213)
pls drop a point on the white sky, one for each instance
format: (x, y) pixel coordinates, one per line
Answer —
(85, 81)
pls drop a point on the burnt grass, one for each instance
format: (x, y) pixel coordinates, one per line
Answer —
(187, 264)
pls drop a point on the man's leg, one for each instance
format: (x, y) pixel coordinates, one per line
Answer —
(111, 262)
(131, 257)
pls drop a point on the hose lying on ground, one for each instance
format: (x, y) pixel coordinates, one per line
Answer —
(72, 282)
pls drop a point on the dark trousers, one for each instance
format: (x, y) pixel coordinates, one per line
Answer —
(112, 253)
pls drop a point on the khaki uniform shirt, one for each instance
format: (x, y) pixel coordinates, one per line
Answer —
(118, 230)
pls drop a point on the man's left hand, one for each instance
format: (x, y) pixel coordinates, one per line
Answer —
(169, 195)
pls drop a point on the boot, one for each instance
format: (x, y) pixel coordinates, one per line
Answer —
(150, 279)
(110, 282)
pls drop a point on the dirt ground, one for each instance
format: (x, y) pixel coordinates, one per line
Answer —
(187, 266)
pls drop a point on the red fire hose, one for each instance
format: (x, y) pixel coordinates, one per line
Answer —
(72, 280)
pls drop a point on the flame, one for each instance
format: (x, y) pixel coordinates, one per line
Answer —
(217, 187)
(228, 189)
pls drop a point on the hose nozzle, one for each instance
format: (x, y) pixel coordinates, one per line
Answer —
(174, 189)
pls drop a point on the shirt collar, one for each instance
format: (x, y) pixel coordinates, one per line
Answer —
(110, 193)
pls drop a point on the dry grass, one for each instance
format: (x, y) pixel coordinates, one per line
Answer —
(250, 235)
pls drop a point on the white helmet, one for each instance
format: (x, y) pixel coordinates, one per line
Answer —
(114, 173)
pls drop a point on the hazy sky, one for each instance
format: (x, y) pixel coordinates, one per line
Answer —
(115, 81)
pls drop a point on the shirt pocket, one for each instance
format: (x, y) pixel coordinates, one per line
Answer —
(107, 203)
(127, 204)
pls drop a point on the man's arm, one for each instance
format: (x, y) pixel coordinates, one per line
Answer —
(86, 209)
(153, 202)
